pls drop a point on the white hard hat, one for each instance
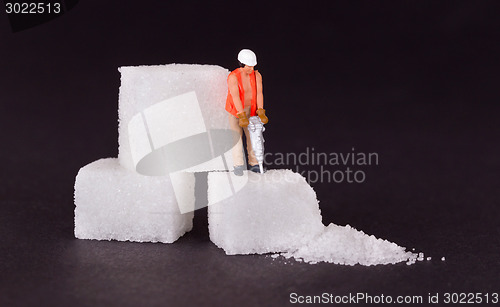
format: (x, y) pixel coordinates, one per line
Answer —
(247, 57)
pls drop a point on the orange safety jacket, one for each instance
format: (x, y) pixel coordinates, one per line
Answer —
(253, 102)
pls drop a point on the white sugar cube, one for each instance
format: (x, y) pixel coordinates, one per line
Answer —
(147, 91)
(261, 213)
(113, 203)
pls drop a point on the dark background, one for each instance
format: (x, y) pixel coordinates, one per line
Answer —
(417, 82)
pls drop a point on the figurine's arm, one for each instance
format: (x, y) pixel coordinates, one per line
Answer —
(260, 99)
(260, 96)
(232, 83)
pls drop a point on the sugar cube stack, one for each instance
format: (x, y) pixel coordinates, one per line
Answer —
(273, 212)
(113, 203)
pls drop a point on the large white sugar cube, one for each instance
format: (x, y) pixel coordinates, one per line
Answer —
(150, 105)
(260, 213)
(113, 203)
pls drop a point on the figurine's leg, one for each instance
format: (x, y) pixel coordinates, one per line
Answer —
(238, 148)
(252, 160)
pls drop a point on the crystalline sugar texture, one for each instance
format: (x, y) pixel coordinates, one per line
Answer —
(348, 246)
(142, 87)
(261, 213)
(113, 203)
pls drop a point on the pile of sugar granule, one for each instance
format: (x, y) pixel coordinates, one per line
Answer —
(348, 246)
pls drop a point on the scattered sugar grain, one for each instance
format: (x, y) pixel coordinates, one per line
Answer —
(348, 246)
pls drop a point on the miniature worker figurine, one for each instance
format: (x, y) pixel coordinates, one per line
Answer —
(244, 99)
